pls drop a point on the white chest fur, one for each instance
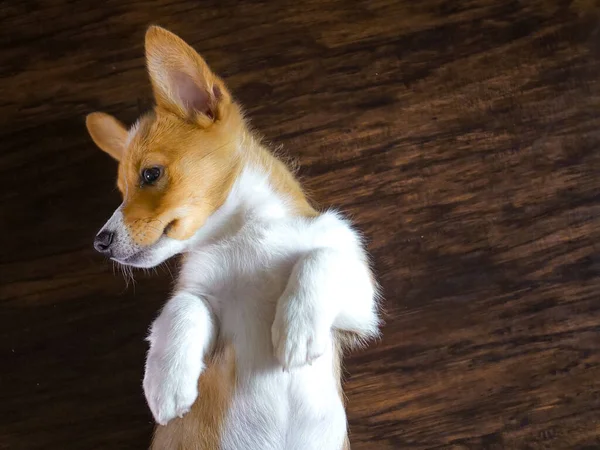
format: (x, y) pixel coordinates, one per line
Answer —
(275, 287)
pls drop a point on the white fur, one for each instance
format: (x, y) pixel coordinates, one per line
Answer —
(174, 361)
(132, 133)
(275, 286)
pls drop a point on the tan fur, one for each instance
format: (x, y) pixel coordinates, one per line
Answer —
(200, 153)
(107, 133)
(282, 180)
(200, 167)
(200, 429)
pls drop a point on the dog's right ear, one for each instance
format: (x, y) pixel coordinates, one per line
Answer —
(182, 81)
(107, 133)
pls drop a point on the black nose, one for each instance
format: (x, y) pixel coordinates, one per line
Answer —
(103, 241)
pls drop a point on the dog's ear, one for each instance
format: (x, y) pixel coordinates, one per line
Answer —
(107, 133)
(182, 81)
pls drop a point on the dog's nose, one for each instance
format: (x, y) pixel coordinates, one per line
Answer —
(103, 241)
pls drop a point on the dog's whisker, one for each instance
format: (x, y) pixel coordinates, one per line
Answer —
(166, 264)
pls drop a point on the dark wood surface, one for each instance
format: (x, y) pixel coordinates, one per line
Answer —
(462, 137)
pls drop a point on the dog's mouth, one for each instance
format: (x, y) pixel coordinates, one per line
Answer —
(127, 253)
(152, 255)
(144, 255)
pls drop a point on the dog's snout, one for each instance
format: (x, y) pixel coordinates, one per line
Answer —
(103, 240)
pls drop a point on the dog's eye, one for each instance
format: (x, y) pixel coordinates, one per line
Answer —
(151, 175)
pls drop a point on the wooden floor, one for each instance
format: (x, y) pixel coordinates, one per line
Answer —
(462, 137)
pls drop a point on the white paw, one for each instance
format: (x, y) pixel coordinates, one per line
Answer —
(298, 337)
(170, 386)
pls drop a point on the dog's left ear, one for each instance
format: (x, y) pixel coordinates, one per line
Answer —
(182, 81)
(107, 133)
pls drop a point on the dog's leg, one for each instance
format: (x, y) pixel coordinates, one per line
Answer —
(179, 338)
(327, 288)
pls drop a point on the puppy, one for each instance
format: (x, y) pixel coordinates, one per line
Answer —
(246, 353)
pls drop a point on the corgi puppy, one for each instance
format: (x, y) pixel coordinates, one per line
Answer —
(246, 353)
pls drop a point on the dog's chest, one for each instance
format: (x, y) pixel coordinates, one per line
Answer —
(242, 279)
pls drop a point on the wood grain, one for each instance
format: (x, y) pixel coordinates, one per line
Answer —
(462, 137)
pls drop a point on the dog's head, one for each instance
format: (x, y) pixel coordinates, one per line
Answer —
(177, 163)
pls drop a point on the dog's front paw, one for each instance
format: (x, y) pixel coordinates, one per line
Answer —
(170, 386)
(298, 336)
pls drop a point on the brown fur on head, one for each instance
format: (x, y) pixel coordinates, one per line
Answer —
(191, 137)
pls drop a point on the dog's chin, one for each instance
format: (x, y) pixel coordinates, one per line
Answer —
(152, 256)
(140, 260)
